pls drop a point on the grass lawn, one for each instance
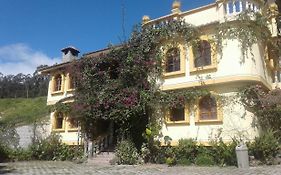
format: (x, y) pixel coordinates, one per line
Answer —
(22, 110)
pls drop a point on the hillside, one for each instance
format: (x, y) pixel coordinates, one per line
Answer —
(23, 111)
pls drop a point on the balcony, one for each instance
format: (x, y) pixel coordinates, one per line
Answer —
(234, 7)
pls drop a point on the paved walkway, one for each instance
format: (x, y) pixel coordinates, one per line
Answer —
(69, 168)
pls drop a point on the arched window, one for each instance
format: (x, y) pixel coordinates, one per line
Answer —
(202, 54)
(73, 122)
(71, 84)
(172, 60)
(207, 108)
(58, 120)
(58, 83)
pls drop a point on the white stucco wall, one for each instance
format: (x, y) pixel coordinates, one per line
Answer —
(237, 122)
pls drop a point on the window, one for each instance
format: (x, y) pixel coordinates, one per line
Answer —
(202, 54)
(71, 82)
(172, 60)
(58, 83)
(58, 121)
(177, 114)
(73, 122)
(208, 108)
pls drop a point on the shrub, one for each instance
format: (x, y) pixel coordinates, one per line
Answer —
(52, 148)
(171, 161)
(265, 147)
(21, 154)
(127, 153)
(184, 161)
(223, 153)
(187, 149)
(4, 153)
(204, 160)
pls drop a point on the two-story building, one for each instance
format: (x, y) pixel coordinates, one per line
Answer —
(222, 73)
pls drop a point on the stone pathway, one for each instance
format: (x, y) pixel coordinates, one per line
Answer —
(69, 168)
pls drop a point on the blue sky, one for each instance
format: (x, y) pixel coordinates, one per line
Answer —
(32, 32)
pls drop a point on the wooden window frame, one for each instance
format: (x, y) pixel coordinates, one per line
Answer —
(55, 90)
(182, 54)
(219, 113)
(54, 127)
(186, 117)
(208, 68)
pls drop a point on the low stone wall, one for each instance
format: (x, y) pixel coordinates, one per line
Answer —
(27, 132)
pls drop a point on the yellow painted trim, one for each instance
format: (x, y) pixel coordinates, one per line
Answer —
(57, 93)
(68, 83)
(219, 119)
(220, 80)
(68, 128)
(183, 122)
(54, 123)
(208, 68)
(70, 142)
(182, 51)
(53, 81)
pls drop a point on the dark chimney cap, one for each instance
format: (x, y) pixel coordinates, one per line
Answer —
(71, 48)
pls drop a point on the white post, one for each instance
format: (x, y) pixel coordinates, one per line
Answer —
(234, 6)
(241, 5)
(227, 8)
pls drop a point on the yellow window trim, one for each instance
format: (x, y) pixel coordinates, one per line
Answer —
(208, 68)
(68, 125)
(54, 123)
(185, 121)
(53, 92)
(57, 93)
(182, 51)
(68, 81)
(219, 119)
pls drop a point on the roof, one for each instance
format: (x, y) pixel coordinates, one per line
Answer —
(93, 54)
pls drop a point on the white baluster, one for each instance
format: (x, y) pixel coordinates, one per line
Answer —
(234, 7)
(227, 9)
(247, 5)
(241, 5)
(255, 8)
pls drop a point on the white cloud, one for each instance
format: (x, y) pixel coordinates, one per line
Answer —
(20, 58)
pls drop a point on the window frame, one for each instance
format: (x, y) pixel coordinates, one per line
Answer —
(54, 123)
(208, 68)
(70, 81)
(182, 58)
(219, 112)
(186, 116)
(54, 84)
(69, 128)
(203, 47)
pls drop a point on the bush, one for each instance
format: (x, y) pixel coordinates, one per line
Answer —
(265, 148)
(187, 149)
(21, 154)
(4, 153)
(171, 161)
(204, 160)
(52, 148)
(184, 161)
(223, 153)
(126, 153)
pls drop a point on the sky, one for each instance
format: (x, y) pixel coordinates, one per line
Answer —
(32, 32)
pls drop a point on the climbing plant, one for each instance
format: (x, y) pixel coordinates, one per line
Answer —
(266, 105)
(248, 28)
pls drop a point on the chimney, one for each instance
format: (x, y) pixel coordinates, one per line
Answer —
(69, 53)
